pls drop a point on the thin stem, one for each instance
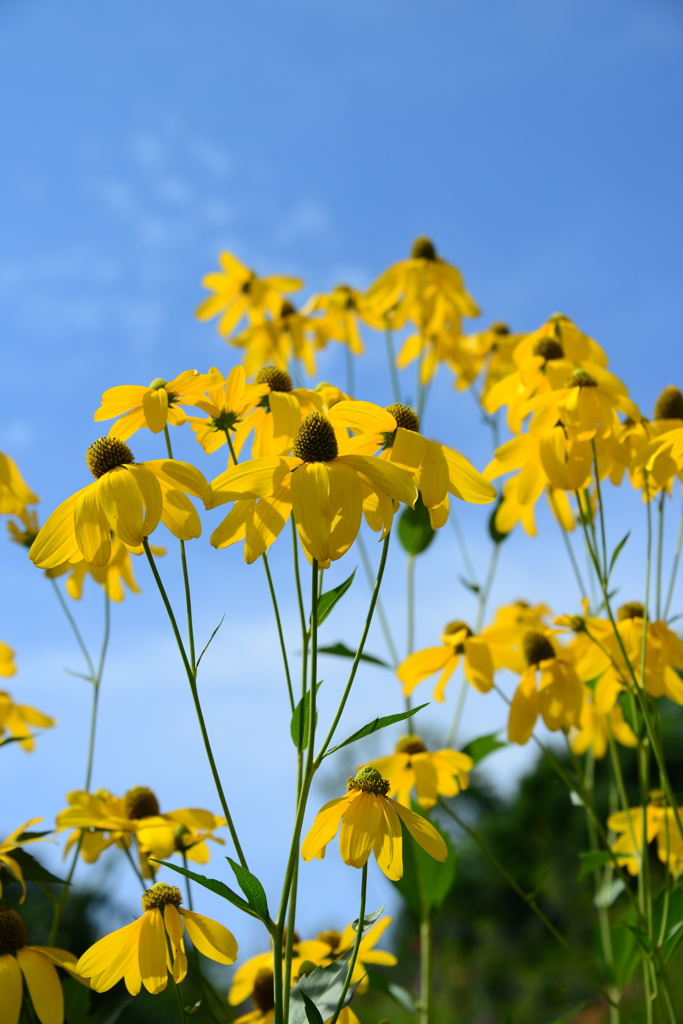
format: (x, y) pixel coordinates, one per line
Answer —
(61, 906)
(191, 677)
(280, 634)
(674, 567)
(356, 945)
(74, 627)
(136, 871)
(570, 551)
(601, 512)
(381, 615)
(462, 544)
(96, 693)
(660, 555)
(186, 577)
(410, 604)
(350, 383)
(393, 373)
(297, 578)
(181, 1008)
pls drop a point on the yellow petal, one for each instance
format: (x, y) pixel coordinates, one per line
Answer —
(324, 828)
(422, 664)
(392, 480)
(286, 419)
(363, 417)
(150, 490)
(180, 516)
(11, 988)
(433, 477)
(233, 528)
(361, 827)
(346, 497)
(408, 450)
(210, 938)
(91, 525)
(265, 522)
(155, 408)
(106, 962)
(56, 542)
(43, 985)
(152, 951)
(121, 502)
(180, 475)
(388, 849)
(422, 832)
(258, 478)
(312, 509)
(464, 480)
(478, 664)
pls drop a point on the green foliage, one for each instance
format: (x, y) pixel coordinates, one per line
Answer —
(415, 529)
(342, 651)
(329, 599)
(375, 726)
(425, 879)
(482, 746)
(252, 889)
(300, 725)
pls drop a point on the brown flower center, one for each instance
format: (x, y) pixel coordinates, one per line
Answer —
(160, 895)
(275, 378)
(630, 610)
(107, 453)
(581, 379)
(13, 934)
(669, 405)
(315, 440)
(263, 994)
(332, 938)
(549, 349)
(405, 416)
(537, 648)
(369, 780)
(140, 802)
(410, 745)
(423, 249)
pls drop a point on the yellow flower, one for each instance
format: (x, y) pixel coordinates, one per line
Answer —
(238, 292)
(278, 341)
(15, 842)
(432, 774)
(143, 952)
(437, 470)
(587, 405)
(370, 821)
(550, 687)
(343, 942)
(229, 401)
(126, 498)
(342, 308)
(491, 351)
(154, 406)
(7, 666)
(17, 719)
(324, 487)
(278, 416)
(112, 576)
(37, 966)
(254, 978)
(100, 820)
(457, 641)
(401, 288)
(14, 491)
(629, 828)
(594, 728)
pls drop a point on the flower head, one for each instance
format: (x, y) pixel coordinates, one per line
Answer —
(143, 952)
(457, 641)
(431, 773)
(154, 406)
(229, 401)
(17, 719)
(370, 821)
(15, 493)
(239, 292)
(550, 686)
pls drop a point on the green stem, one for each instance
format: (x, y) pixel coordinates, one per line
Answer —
(350, 384)
(61, 906)
(280, 634)
(462, 544)
(191, 677)
(660, 555)
(356, 945)
(570, 551)
(381, 615)
(393, 373)
(74, 627)
(601, 512)
(410, 604)
(674, 567)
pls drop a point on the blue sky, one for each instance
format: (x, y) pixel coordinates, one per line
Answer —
(538, 143)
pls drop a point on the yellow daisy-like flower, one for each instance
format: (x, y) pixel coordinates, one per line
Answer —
(18, 718)
(154, 406)
(287, 336)
(629, 828)
(432, 773)
(238, 292)
(254, 978)
(7, 665)
(491, 351)
(229, 401)
(111, 577)
(126, 498)
(278, 415)
(35, 965)
(401, 288)
(14, 842)
(549, 687)
(144, 951)
(342, 308)
(14, 491)
(437, 470)
(370, 822)
(594, 728)
(100, 820)
(324, 487)
(343, 942)
(457, 641)
(587, 405)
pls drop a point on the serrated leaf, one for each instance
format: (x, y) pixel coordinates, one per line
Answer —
(369, 919)
(252, 889)
(415, 530)
(312, 1011)
(342, 651)
(328, 600)
(482, 746)
(300, 724)
(401, 996)
(593, 860)
(375, 726)
(220, 888)
(31, 869)
(323, 987)
(617, 551)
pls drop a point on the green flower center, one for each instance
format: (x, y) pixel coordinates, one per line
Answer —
(157, 384)
(669, 405)
(140, 802)
(263, 994)
(549, 349)
(107, 453)
(423, 249)
(581, 379)
(454, 627)
(536, 648)
(369, 780)
(160, 895)
(630, 610)
(275, 378)
(315, 440)
(410, 745)
(13, 934)
(226, 421)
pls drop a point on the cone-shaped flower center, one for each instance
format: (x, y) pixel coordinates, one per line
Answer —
(455, 626)
(405, 416)
(140, 802)
(179, 834)
(423, 249)
(275, 378)
(107, 453)
(370, 781)
(263, 994)
(536, 648)
(630, 610)
(669, 405)
(315, 440)
(157, 384)
(332, 938)
(13, 934)
(581, 379)
(410, 745)
(287, 309)
(346, 293)
(498, 328)
(160, 895)
(549, 348)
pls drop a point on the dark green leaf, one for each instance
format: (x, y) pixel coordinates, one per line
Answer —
(345, 652)
(482, 746)
(673, 925)
(369, 919)
(571, 1015)
(323, 986)
(206, 645)
(210, 883)
(617, 552)
(625, 952)
(400, 995)
(379, 723)
(31, 869)
(301, 720)
(415, 530)
(76, 1002)
(312, 1011)
(12, 739)
(474, 587)
(328, 600)
(593, 860)
(423, 875)
(252, 889)
(494, 533)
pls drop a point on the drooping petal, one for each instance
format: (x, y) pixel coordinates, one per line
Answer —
(234, 526)
(106, 962)
(258, 478)
(346, 497)
(150, 490)
(180, 516)
(11, 989)
(152, 951)
(127, 425)
(478, 664)
(56, 542)
(361, 825)
(464, 480)
(210, 938)
(362, 417)
(286, 419)
(433, 477)
(388, 848)
(422, 832)
(122, 504)
(155, 408)
(393, 480)
(310, 487)
(324, 828)
(43, 985)
(91, 525)
(181, 475)
(524, 709)
(422, 664)
(265, 523)
(174, 929)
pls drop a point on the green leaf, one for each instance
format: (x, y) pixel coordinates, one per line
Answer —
(571, 1015)
(474, 587)
(12, 739)
(593, 860)
(301, 720)
(625, 952)
(401, 996)
(31, 869)
(422, 874)
(220, 888)
(673, 925)
(379, 723)
(345, 652)
(369, 919)
(323, 987)
(328, 600)
(312, 1011)
(415, 530)
(617, 552)
(252, 889)
(206, 645)
(494, 533)
(482, 746)
(76, 1002)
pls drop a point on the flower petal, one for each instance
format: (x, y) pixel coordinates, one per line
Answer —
(152, 951)
(121, 502)
(311, 506)
(324, 828)
(91, 525)
(362, 826)
(11, 988)
(393, 480)
(150, 489)
(106, 962)
(422, 832)
(43, 984)
(464, 480)
(155, 408)
(56, 541)
(258, 478)
(210, 938)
